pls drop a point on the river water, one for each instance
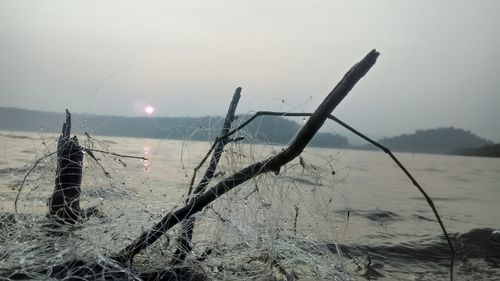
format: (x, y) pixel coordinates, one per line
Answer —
(358, 201)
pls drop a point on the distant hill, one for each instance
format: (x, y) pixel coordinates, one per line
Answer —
(483, 151)
(269, 129)
(440, 140)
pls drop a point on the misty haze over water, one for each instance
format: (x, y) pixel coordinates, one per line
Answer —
(439, 63)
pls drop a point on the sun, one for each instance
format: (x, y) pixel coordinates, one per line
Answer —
(149, 109)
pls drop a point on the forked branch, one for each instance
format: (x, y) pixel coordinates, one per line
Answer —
(272, 164)
(378, 145)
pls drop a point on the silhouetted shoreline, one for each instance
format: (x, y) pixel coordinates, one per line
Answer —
(264, 129)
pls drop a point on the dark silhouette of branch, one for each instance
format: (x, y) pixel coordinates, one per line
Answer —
(217, 147)
(64, 204)
(272, 164)
(378, 145)
(187, 227)
(90, 150)
(412, 179)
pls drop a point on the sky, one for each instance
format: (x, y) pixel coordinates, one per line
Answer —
(439, 64)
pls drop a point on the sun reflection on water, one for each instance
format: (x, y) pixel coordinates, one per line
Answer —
(146, 152)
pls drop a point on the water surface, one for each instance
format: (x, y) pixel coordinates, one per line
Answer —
(358, 200)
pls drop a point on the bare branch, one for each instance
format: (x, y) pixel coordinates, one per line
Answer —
(272, 164)
(218, 146)
(188, 225)
(115, 154)
(381, 147)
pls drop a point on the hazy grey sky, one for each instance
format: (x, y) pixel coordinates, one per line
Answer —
(439, 63)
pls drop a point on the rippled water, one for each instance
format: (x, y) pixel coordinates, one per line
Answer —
(373, 209)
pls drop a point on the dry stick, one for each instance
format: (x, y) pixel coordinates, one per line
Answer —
(89, 152)
(272, 164)
(219, 144)
(295, 219)
(412, 179)
(383, 148)
(187, 227)
(26, 177)
(115, 154)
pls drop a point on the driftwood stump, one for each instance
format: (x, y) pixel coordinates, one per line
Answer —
(64, 204)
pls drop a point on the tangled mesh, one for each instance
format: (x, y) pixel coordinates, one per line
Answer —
(273, 227)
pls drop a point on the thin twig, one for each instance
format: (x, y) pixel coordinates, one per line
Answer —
(412, 179)
(92, 156)
(26, 176)
(295, 219)
(116, 154)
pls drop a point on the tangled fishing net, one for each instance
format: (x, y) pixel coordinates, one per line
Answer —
(273, 227)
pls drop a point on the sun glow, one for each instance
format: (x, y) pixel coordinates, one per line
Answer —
(149, 110)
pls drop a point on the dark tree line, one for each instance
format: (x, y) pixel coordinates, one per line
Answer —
(266, 129)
